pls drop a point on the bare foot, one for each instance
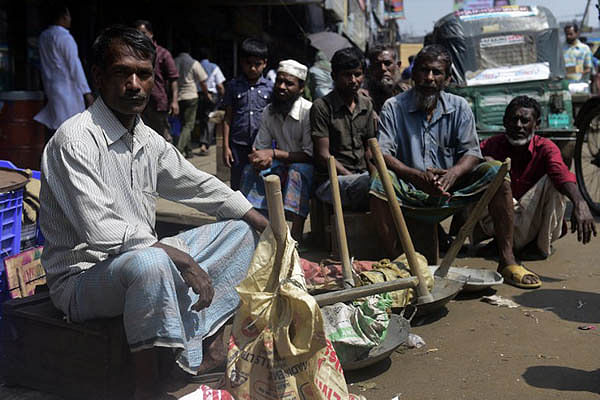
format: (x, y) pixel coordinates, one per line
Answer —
(214, 352)
(215, 356)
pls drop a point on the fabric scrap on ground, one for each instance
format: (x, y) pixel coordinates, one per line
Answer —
(499, 301)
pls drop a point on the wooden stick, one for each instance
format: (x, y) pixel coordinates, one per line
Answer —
(275, 207)
(363, 291)
(278, 224)
(407, 245)
(339, 224)
(474, 216)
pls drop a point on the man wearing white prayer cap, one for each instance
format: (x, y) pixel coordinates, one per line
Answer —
(284, 147)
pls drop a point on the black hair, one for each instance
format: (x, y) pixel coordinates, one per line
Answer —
(345, 59)
(203, 53)
(428, 39)
(183, 45)
(139, 43)
(434, 52)
(522, 102)
(55, 10)
(411, 59)
(139, 22)
(378, 49)
(572, 25)
(252, 47)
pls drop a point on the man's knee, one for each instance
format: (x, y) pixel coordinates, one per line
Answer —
(241, 226)
(503, 195)
(151, 264)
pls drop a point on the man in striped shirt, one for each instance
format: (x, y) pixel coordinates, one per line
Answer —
(101, 175)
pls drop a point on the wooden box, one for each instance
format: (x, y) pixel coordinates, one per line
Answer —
(40, 350)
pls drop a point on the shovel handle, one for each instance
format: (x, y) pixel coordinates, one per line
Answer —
(343, 295)
(339, 224)
(275, 207)
(407, 245)
(474, 216)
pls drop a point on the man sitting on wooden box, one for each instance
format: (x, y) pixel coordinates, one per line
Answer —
(102, 173)
(341, 123)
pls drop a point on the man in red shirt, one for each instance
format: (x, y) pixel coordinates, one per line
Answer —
(539, 178)
(156, 114)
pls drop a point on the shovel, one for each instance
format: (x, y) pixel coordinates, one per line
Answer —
(423, 293)
(279, 227)
(474, 216)
(340, 228)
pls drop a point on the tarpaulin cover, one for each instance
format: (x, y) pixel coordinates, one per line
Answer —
(501, 44)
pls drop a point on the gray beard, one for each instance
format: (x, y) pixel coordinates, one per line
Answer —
(426, 103)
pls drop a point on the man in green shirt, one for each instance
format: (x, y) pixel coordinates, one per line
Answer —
(341, 123)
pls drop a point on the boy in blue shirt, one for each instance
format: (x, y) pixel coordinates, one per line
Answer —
(245, 98)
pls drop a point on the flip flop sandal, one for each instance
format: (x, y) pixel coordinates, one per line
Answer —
(210, 376)
(513, 274)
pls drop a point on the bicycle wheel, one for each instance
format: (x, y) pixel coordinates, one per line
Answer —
(587, 160)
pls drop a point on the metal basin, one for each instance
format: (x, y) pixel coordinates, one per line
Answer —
(474, 279)
(444, 290)
(397, 334)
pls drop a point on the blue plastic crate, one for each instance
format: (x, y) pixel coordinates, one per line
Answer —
(11, 208)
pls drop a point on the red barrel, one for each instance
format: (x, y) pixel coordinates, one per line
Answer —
(21, 138)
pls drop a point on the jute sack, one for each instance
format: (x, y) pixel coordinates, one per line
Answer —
(278, 349)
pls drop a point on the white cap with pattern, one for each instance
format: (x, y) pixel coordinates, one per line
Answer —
(293, 68)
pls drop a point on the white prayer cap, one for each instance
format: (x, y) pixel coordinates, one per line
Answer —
(293, 68)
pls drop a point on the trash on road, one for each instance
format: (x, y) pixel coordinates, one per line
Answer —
(206, 393)
(499, 301)
(586, 327)
(415, 341)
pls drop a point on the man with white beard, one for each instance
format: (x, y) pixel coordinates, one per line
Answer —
(431, 148)
(539, 179)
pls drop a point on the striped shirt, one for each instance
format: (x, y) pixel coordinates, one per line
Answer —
(99, 189)
(578, 57)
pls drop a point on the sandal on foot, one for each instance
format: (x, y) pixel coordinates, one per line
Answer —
(513, 274)
(213, 375)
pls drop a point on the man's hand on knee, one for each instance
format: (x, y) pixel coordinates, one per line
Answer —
(201, 284)
(194, 276)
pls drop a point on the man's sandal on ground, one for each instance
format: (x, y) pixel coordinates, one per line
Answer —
(513, 274)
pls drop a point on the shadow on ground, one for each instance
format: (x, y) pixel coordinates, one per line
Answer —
(563, 378)
(364, 374)
(570, 305)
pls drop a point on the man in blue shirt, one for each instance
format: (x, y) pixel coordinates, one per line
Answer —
(245, 98)
(431, 148)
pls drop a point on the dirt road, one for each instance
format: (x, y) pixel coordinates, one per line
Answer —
(479, 351)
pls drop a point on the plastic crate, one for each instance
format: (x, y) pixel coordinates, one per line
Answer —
(35, 175)
(11, 208)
